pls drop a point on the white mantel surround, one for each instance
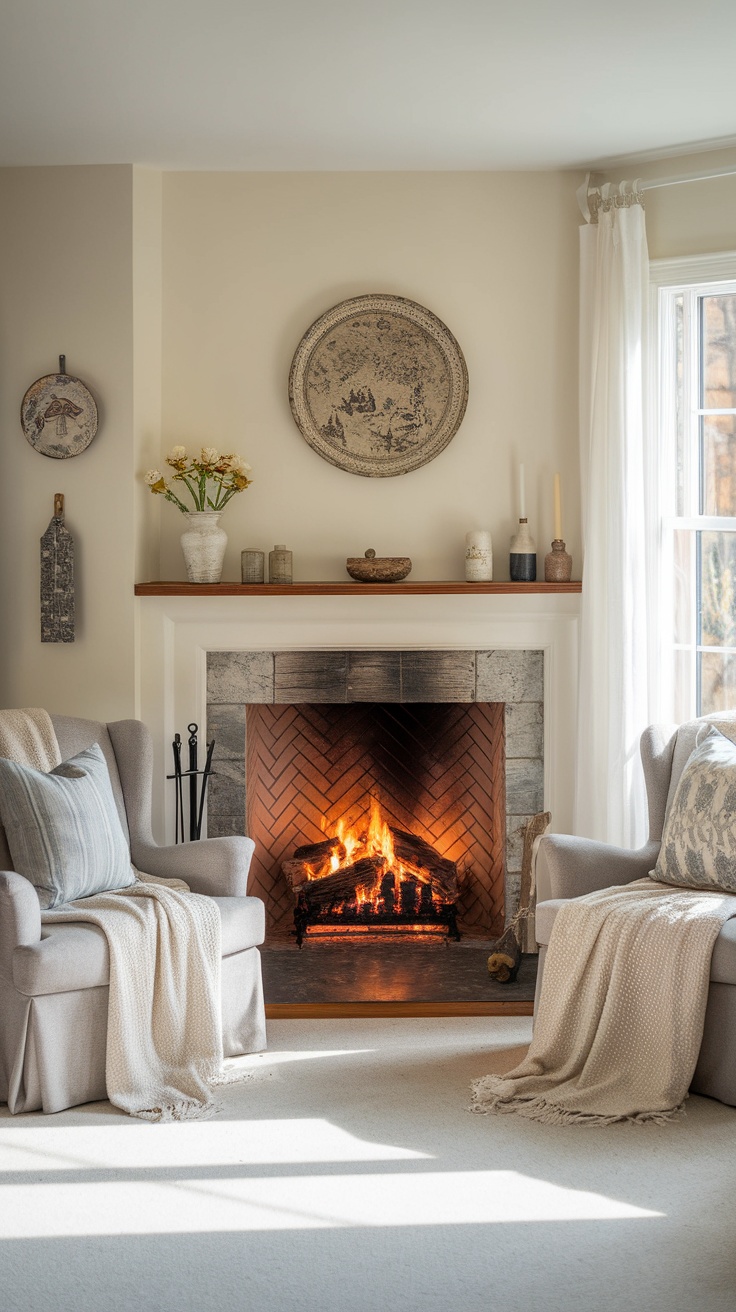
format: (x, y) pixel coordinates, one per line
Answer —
(174, 634)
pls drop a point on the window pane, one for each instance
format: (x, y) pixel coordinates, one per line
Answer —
(719, 352)
(719, 465)
(684, 561)
(717, 589)
(717, 682)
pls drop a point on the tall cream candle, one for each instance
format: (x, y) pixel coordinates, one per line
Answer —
(558, 509)
(522, 498)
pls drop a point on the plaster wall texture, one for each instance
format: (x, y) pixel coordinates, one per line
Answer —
(251, 260)
(66, 287)
(180, 300)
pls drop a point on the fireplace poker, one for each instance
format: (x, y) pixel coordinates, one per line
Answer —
(192, 772)
(178, 788)
(205, 776)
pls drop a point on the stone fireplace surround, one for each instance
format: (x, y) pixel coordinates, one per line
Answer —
(177, 636)
(236, 679)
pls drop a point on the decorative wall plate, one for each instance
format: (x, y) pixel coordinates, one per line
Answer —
(378, 386)
(59, 416)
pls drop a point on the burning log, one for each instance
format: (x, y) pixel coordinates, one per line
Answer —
(415, 852)
(343, 886)
(312, 861)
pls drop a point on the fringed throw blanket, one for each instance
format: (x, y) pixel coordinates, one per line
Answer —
(620, 1019)
(164, 1030)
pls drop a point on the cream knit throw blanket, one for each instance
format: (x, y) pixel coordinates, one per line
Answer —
(620, 1019)
(164, 1029)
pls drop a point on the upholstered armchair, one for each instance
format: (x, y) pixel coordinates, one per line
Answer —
(568, 867)
(54, 978)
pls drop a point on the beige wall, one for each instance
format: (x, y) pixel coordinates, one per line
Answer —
(66, 287)
(180, 301)
(250, 260)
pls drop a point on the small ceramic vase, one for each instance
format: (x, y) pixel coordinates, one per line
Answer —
(203, 544)
(558, 563)
(252, 565)
(478, 557)
(523, 555)
(280, 565)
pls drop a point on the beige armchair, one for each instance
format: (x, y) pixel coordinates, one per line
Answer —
(54, 978)
(569, 867)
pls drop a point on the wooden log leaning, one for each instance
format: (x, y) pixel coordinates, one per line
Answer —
(319, 894)
(414, 851)
(536, 827)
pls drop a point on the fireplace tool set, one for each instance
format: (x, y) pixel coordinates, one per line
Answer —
(197, 784)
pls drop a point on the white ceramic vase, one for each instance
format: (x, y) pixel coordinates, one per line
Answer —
(203, 543)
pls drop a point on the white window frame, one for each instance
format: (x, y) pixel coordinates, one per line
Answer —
(700, 275)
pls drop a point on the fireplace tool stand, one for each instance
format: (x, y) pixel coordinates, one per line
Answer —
(197, 784)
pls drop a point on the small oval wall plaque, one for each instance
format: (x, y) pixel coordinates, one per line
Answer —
(59, 416)
(378, 386)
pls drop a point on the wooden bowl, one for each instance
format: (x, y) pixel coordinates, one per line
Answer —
(371, 568)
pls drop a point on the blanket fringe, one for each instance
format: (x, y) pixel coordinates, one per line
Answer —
(546, 1112)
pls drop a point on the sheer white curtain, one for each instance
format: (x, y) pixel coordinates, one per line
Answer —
(613, 700)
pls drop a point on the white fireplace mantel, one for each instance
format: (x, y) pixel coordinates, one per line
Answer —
(175, 633)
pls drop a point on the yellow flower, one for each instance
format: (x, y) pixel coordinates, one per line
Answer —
(177, 457)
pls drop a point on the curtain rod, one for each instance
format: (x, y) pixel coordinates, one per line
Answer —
(677, 179)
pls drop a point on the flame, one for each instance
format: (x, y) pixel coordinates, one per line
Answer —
(371, 837)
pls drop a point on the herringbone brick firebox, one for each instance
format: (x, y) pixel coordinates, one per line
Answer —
(450, 742)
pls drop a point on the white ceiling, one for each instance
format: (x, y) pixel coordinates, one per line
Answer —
(348, 84)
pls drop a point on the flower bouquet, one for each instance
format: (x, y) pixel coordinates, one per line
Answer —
(211, 480)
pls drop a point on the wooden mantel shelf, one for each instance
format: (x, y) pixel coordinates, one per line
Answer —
(444, 587)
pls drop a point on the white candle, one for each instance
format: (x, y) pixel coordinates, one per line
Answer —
(558, 510)
(522, 511)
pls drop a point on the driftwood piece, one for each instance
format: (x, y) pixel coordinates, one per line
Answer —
(319, 894)
(312, 860)
(536, 827)
(423, 856)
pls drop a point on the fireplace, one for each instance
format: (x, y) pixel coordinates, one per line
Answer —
(447, 743)
(385, 816)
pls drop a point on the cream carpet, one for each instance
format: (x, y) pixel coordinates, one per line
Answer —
(347, 1175)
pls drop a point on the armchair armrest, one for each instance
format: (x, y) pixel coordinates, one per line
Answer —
(570, 867)
(20, 917)
(217, 867)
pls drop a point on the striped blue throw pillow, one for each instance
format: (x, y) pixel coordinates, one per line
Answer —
(63, 828)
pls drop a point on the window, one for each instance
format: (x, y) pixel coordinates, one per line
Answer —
(697, 487)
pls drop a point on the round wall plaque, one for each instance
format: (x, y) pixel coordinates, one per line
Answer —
(59, 416)
(378, 386)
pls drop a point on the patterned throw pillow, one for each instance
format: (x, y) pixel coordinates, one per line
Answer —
(63, 828)
(699, 840)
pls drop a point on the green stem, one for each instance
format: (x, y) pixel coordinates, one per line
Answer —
(171, 496)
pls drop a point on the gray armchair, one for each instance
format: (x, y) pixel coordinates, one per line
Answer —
(569, 867)
(54, 978)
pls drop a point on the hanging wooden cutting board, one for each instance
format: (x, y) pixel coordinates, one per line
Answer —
(57, 579)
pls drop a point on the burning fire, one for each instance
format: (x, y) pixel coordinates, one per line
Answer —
(371, 838)
(369, 873)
